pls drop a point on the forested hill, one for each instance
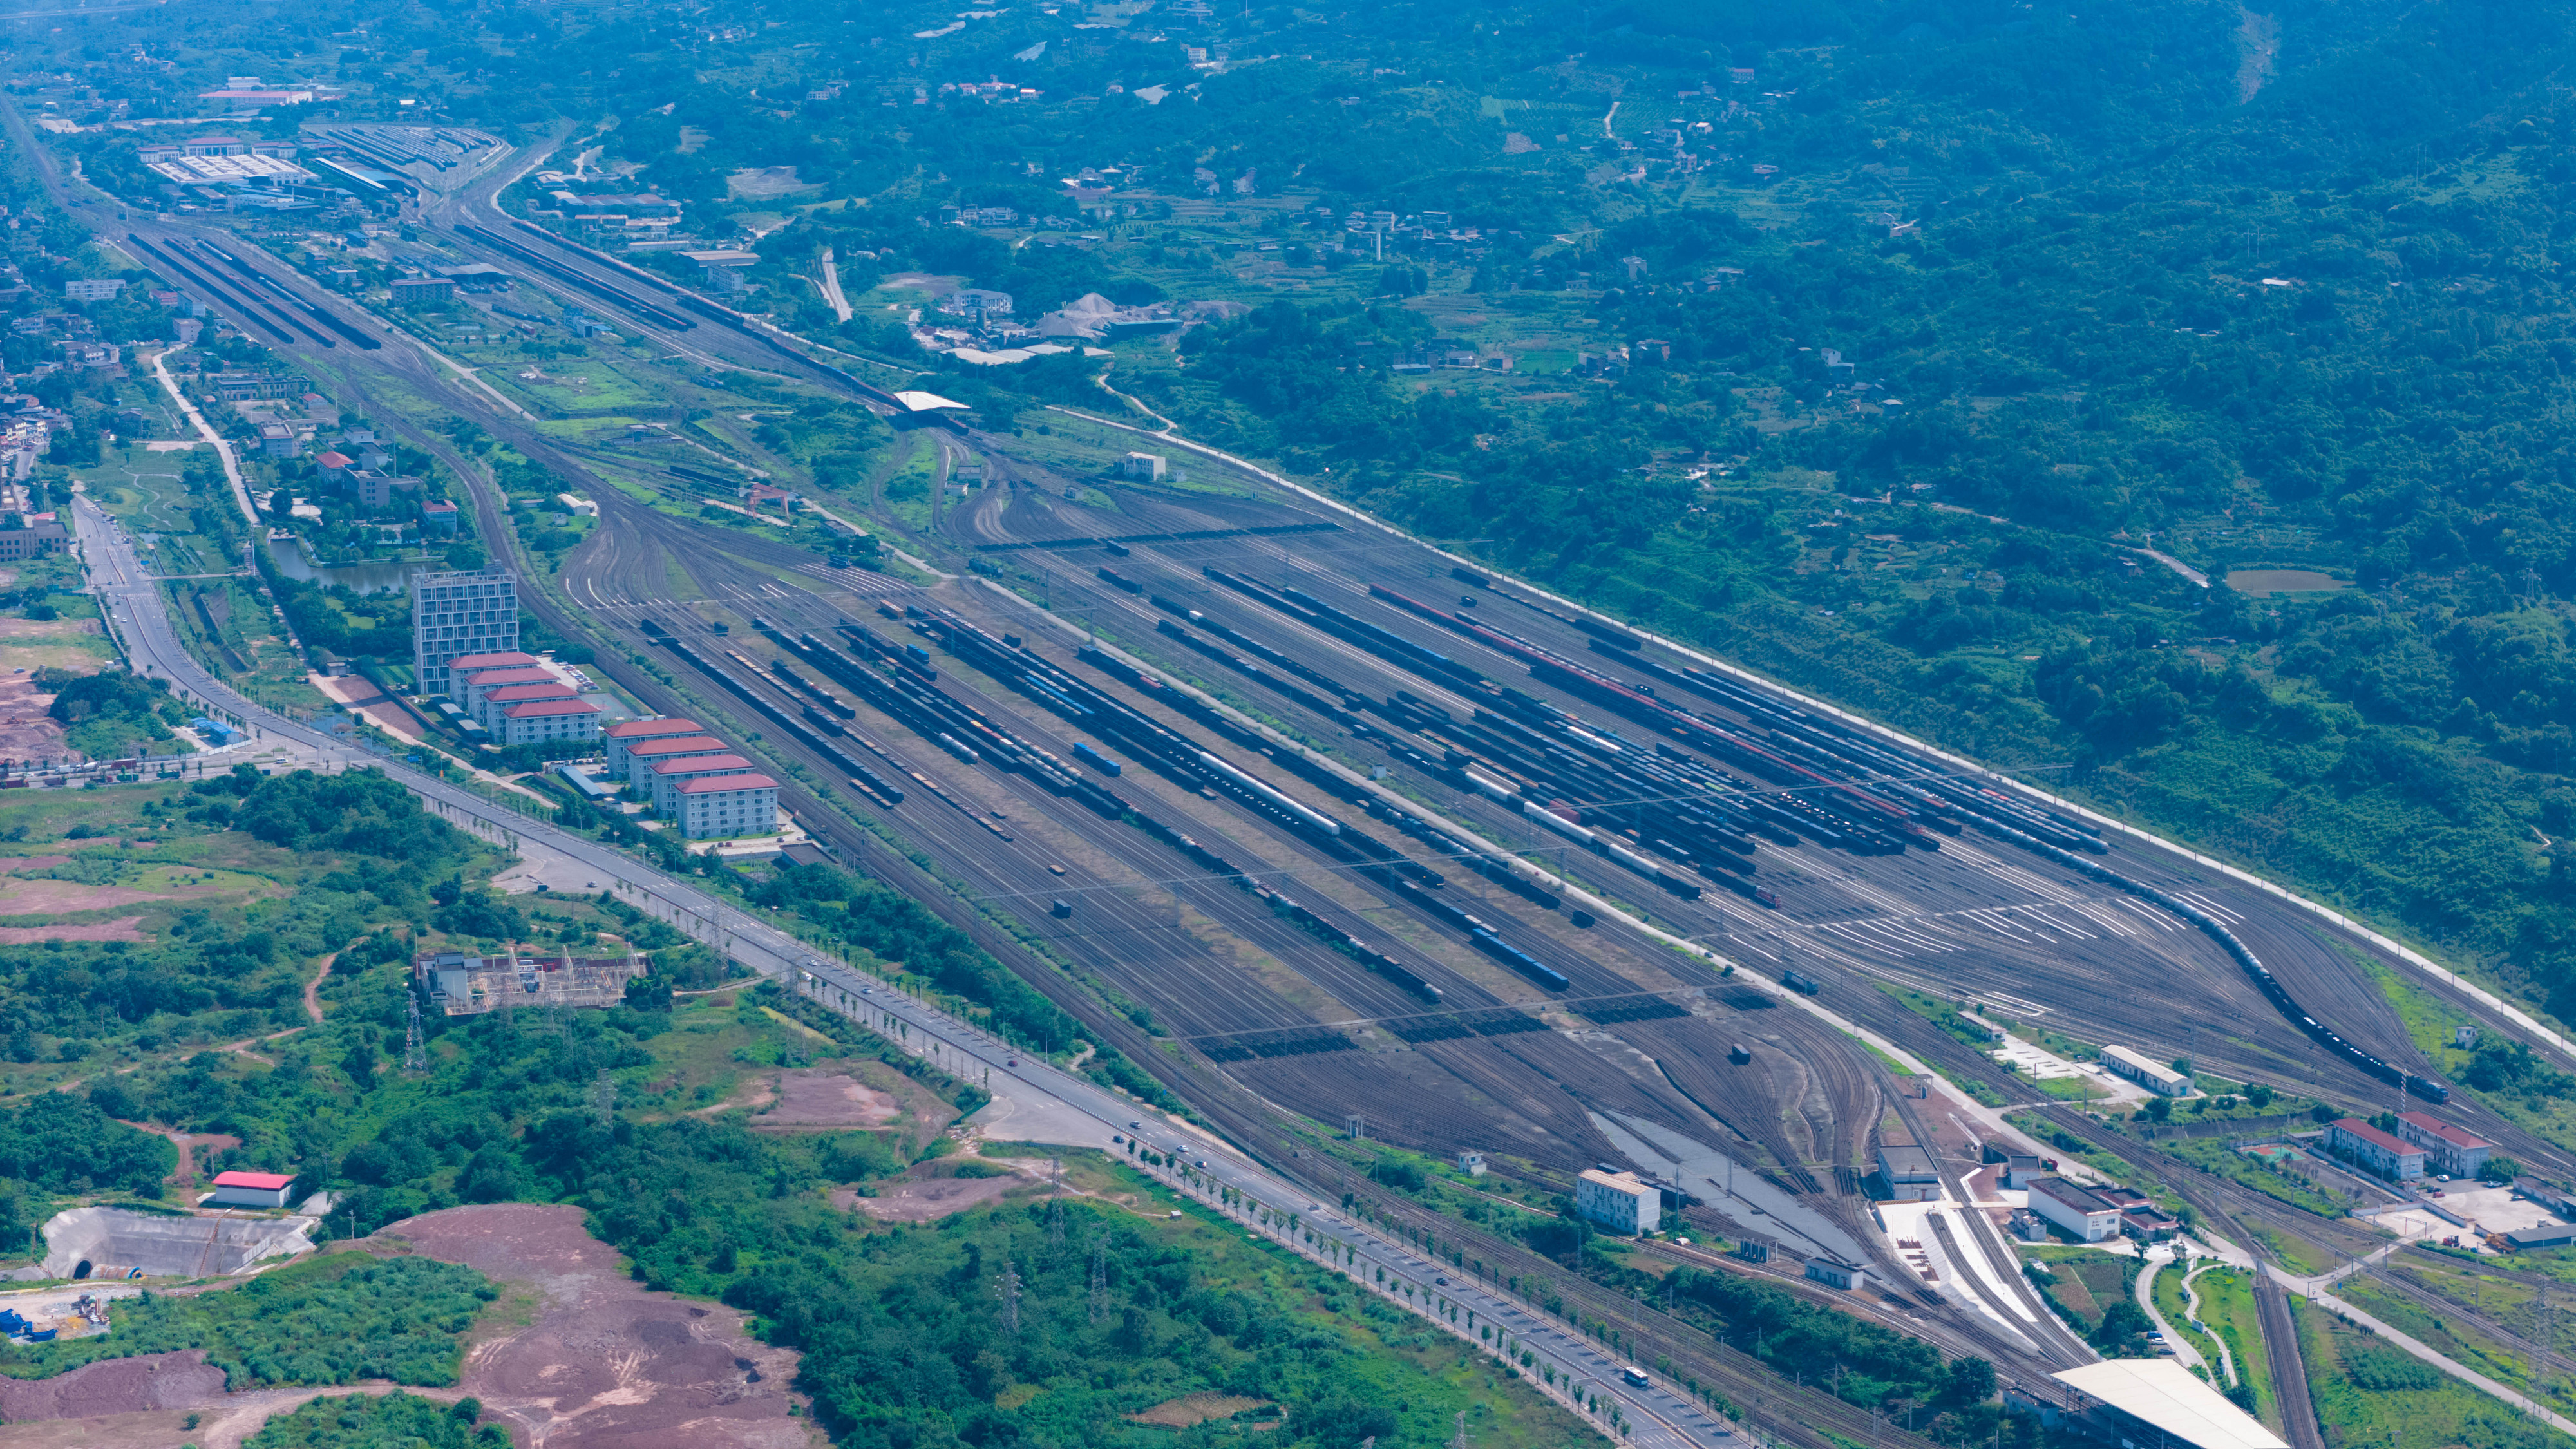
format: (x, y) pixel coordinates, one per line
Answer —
(1950, 343)
(2256, 292)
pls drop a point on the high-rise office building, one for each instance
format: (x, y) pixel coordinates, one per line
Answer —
(453, 615)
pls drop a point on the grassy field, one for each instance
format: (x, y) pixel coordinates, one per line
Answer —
(2175, 1310)
(2512, 1305)
(2227, 1306)
(2367, 1393)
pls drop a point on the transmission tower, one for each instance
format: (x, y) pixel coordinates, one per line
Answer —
(1100, 1280)
(415, 1056)
(1007, 1288)
(1055, 1222)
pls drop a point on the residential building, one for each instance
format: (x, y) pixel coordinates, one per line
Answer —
(277, 440)
(1146, 466)
(642, 755)
(437, 518)
(722, 806)
(2075, 1209)
(93, 289)
(663, 778)
(2369, 1148)
(375, 491)
(497, 702)
(456, 614)
(474, 684)
(545, 720)
(1620, 1201)
(626, 734)
(2147, 1072)
(252, 1189)
(2449, 1149)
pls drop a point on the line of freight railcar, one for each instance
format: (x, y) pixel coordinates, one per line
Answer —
(619, 295)
(860, 775)
(1833, 745)
(319, 313)
(180, 272)
(925, 711)
(1860, 820)
(1454, 768)
(1460, 768)
(2252, 965)
(1181, 760)
(1716, 830)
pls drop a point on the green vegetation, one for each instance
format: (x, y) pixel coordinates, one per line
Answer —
(2227, 1306)
(2367, 1392)
(2095, 1292)
(330, 1320)
(1879, 1366)
(380, 1421)
(56, 1142)
(107, 711)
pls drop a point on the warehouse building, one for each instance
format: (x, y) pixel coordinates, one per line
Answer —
(624, 735)
(2156, 1403)
(2075, 1209)
(1908, 1172)
(2450, 1149)
(720, 807)
(2365, 1146)
(1622, 1202)
(2147, 1072)
(251, 1189)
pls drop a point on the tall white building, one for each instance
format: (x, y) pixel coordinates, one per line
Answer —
(1620, 1201)
(458, 614)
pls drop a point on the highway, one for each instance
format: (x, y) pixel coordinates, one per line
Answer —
(133, 606)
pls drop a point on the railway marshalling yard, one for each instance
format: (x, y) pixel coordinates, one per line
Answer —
(1671, 1047)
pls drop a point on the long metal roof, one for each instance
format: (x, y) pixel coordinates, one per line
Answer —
(2163, 1393)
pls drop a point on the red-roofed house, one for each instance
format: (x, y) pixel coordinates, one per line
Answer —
(438, 519)
(722, 806)
(547, 720)
(2358, 1142)
(497, 702)
(642, 754)
(251, 1189)
(2453, 1150)
(506, 659)
(473, 688)
(626, 734)
(665, 777)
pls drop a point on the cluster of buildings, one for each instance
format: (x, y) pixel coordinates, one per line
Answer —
(2421, 1144)
(520, 699)
(691, 778)
(72, 339)
(2090, 1214)
(27, 429)
(463, 985)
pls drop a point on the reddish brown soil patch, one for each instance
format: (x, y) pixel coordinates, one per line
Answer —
(187, 1143)
(816, 1097)
(921, 1202)
(61, 897)
(115, 1386)
(33, 862)
(607, 1365)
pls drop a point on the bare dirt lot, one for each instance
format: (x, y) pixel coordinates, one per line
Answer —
(123, 928)
(595, 1362)
(605, 1363)
(816, 1097)
(925, 1197)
